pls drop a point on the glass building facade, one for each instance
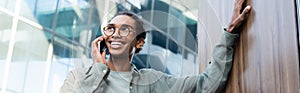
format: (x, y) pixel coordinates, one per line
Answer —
(42, 40)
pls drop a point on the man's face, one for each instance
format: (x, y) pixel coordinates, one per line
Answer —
(117, 45)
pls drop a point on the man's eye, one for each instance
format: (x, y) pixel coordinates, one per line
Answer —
(124, 28)
(110, 29)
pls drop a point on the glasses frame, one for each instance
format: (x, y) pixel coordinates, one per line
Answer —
(114, 27)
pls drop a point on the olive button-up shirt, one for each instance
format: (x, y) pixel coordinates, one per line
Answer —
(93, 79)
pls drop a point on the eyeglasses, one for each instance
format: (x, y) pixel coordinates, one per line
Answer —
(124, 30)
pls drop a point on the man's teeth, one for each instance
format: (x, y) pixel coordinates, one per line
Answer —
(115, 43)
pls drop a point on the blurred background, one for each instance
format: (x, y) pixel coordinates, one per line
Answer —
(42, 40)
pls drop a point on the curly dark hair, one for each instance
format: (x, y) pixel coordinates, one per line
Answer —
(140, 29)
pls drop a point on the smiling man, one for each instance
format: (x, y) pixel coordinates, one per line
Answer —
(124, 36)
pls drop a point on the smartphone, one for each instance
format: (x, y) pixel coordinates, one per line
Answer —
(102, 46)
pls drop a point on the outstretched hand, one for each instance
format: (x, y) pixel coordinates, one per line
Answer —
(240, 15)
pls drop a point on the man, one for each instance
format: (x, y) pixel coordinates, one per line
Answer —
(123, 36)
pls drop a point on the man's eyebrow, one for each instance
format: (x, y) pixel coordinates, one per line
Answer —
(110, 24)
(126, 25)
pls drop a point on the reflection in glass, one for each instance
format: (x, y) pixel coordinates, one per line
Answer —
(8, 4)
(5, 29)
(30, 44)
(173, 29)
(28, 59)
(69, 26)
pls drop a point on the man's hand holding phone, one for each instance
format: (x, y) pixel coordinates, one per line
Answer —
(96, 54)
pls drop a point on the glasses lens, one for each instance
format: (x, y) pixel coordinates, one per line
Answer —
(108, 30)
(124, 30)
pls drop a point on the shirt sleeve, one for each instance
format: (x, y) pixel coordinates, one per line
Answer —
(215, 76)
(68, 85)
(71, 83)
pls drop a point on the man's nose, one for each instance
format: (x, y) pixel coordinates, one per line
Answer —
(116, 33)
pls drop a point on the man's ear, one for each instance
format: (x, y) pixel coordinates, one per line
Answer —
(140, 42)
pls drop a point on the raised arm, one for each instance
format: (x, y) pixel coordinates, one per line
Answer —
(215, 76)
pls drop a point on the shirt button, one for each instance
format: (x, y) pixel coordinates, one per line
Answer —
(130, 87)
(104, 71)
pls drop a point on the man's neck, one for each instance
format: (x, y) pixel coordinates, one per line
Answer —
(119, 64)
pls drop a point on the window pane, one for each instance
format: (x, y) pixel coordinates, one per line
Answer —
(28, 59)
(5, 30)
(30, 44)
(40, 11)
(8, 4)
(64, 49)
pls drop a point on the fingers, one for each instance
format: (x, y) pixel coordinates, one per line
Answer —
(103, 57)
(243, 16)
(239, 19)
(238, 6)
(246, 11)
(97, 57)
(95, 42)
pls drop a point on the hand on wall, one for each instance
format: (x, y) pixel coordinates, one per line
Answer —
(239, 16)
